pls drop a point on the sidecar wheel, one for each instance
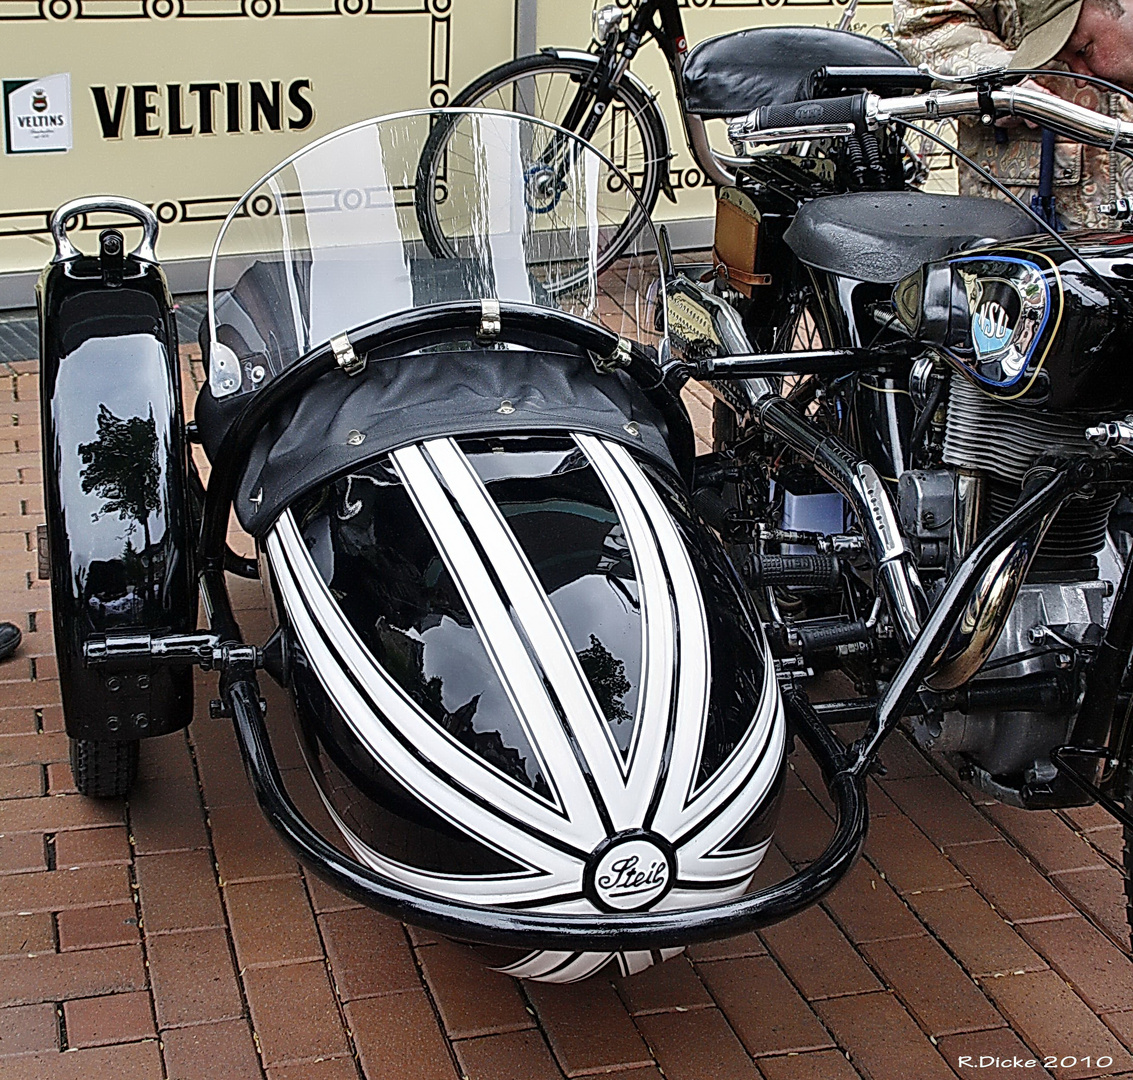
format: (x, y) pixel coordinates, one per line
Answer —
(104, 769)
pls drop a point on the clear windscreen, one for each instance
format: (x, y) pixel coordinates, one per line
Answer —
(422, 209)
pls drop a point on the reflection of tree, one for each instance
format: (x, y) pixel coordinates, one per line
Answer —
(122, 467)
(607, 677)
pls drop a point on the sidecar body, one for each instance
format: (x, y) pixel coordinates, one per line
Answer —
(531, 690)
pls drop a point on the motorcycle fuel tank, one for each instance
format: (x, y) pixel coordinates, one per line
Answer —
(1029, 323)
(527, 676)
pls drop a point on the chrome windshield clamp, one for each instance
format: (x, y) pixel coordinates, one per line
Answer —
(345, 356)
(619, 358)
(490, 321)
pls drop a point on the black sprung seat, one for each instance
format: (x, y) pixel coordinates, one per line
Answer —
(771, 65)
(881, 236)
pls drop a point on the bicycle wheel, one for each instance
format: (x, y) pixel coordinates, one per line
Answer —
(630, 133)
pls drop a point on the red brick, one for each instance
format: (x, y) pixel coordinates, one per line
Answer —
(246, 846)
(907, 858)
(294, 1012)
(697, 1045)
(587, 1026)
(397, 1036)
(193, 978)
(728, 948)
(60, 780)
(763, 1007)
(112, 1019)
(55, 890)
(505, 1057)
(166, 816)
(222, 1051)
(667, 987)
(940, 811)
(472, 999)
(1101, 895)
(334, 1068)
(325, 899)
(33, 749)
(91, 847)
(1109, 842)
(972, 930)
(55, 976)
(97, 927)
(1001, 1044)
(58, 814)
(23, 935)
(272, 922)
(882, 1039)
(222, 770)
(1045, 839)
(383, 966)
(818, 1065)
(1015, 887)
(1121, 1024)
(804, 828)
(817, 957)
(178, 892)
(27, 1029)
(868, 909)
(932, 986)
(126, 1061)
(1054, 1020)
(35, 694)
(1100, 972)
(1094, 816)
(18, 721)
(21, 781)
(22, 853)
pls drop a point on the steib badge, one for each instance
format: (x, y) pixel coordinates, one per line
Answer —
(37, 115)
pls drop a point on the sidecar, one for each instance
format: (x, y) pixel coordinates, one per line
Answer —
(533, 694)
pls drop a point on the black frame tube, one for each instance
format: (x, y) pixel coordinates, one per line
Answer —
(533, 930)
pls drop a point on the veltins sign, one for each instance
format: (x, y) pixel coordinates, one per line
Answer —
(37, 115)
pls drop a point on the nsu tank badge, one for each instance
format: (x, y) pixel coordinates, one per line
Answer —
(1008, 302)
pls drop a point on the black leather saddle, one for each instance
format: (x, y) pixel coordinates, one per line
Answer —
(771, 65)
(881, 236)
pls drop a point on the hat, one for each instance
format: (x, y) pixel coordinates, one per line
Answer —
(1047, 26)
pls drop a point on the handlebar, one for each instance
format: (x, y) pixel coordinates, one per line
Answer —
(842, 116)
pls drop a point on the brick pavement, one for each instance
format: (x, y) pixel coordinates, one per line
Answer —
(171, 936)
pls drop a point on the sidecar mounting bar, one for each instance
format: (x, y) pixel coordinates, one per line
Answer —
(124, 650)
(938, 628)
(535, 930)
(804, 362)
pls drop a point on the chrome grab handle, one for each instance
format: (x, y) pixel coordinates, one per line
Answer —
(119, 204)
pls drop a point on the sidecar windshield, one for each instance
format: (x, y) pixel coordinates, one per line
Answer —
(420, 209)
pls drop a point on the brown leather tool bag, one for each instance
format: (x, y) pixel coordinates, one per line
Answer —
(736, 240)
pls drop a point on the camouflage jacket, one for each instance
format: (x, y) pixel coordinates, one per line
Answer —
(959, 37)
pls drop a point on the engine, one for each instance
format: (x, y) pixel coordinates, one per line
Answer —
(1005, 720)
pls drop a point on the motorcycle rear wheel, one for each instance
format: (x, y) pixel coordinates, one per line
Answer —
(102, 768)
(544, 86)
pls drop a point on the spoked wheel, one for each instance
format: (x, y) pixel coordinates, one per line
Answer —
(549, 88)
(104, 769)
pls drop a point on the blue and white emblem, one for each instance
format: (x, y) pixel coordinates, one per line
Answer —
(1008, 300)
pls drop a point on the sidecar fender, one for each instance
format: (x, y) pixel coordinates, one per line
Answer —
(115, 488)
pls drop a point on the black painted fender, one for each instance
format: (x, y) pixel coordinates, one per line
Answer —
(115, 487)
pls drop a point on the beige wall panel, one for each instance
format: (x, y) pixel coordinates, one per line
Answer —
(393, 54)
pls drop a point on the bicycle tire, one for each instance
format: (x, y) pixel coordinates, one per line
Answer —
(495, 88)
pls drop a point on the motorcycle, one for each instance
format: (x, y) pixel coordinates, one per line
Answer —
(542, 673)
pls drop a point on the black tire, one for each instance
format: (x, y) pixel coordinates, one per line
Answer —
(104, 769)
(543, 86)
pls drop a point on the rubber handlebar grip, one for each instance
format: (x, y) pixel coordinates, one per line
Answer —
(838, 110)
